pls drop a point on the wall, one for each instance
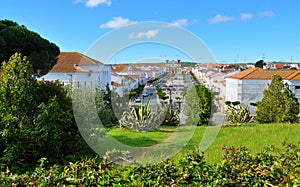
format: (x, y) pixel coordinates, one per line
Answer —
(232, 90)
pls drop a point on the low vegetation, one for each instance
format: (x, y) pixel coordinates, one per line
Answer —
(237, 168)
(237, 114)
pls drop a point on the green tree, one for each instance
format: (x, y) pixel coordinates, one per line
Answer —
(41, 53)
(198, 105)
(205, 103)
(36, 118)
(279, 103)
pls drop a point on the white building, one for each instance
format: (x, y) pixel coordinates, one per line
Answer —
(123, 83)
(247, 86)
(77, 69)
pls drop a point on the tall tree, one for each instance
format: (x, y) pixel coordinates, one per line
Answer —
(260, 64)
(36, 118)
(41, 53)
(279, 103)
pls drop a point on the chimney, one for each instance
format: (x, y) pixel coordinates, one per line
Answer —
(178, 61)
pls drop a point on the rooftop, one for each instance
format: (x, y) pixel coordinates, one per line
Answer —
(266, 74)
(69, 61)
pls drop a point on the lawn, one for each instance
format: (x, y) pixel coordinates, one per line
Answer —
(141, 139)
(254, 138)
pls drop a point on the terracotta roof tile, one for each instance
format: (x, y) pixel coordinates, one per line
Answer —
(266, 74)
(68, 61)
(133, 76)
(120, 68)
(116, 84)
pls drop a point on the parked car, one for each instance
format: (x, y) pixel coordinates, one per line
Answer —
(145, 95)
(137, 99)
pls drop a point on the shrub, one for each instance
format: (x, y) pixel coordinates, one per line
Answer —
(236, 113)
(238, 167)
(172, 118)
(140, 118)
(36, 118)
(279, 103)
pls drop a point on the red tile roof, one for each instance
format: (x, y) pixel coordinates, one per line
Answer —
(133, 76)
(116, 84)
(266, 74)
(68, 61)
(120, 68)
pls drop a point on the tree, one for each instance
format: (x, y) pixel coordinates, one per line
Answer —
(279, 103)
(41, 53)
(260, 64)
(36, 118)
(205, 103)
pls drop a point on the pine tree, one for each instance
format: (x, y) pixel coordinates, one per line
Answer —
(279, 103)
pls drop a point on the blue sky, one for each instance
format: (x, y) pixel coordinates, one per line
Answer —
(233, 30)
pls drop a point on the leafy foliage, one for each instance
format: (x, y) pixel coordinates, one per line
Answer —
(172, 117)
(137, 91)
(279, 103)
(161, 94)
(36, 117)
(199, 106)
(236, 113)
(41, 53)
(260, 64)
(238, 167)
(140, 118)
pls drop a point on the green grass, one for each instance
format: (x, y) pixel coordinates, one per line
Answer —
(141, 139)
(255, 138)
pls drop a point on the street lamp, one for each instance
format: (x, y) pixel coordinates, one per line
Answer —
(170, 90)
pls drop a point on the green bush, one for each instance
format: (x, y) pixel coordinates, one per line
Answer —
(36, 118)
(172, 117)
(140, 118)
(236, 113)
(279, 103)
(238, 167)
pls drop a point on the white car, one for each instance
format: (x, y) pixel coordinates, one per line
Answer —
(137, 99)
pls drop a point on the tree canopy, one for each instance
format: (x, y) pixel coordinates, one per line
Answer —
(36, 118)
(41, 53)
(279, 103)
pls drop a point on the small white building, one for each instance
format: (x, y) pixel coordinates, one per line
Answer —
(247, 86)
(122, 83)
(79, 70)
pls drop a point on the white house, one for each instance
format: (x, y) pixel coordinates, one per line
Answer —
(77, 69)
(122, 83)
(247, 86)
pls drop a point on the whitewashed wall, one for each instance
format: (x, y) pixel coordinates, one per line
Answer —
(100, 79)
(232, 90)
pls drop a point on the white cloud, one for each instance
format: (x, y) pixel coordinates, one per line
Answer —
(93, 3)
(117, 22)
(267, 14)
(220, 19)
(148, 34)
(245, 16)
(180, 22)
(183, 22)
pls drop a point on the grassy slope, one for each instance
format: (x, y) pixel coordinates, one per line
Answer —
(255, 138)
